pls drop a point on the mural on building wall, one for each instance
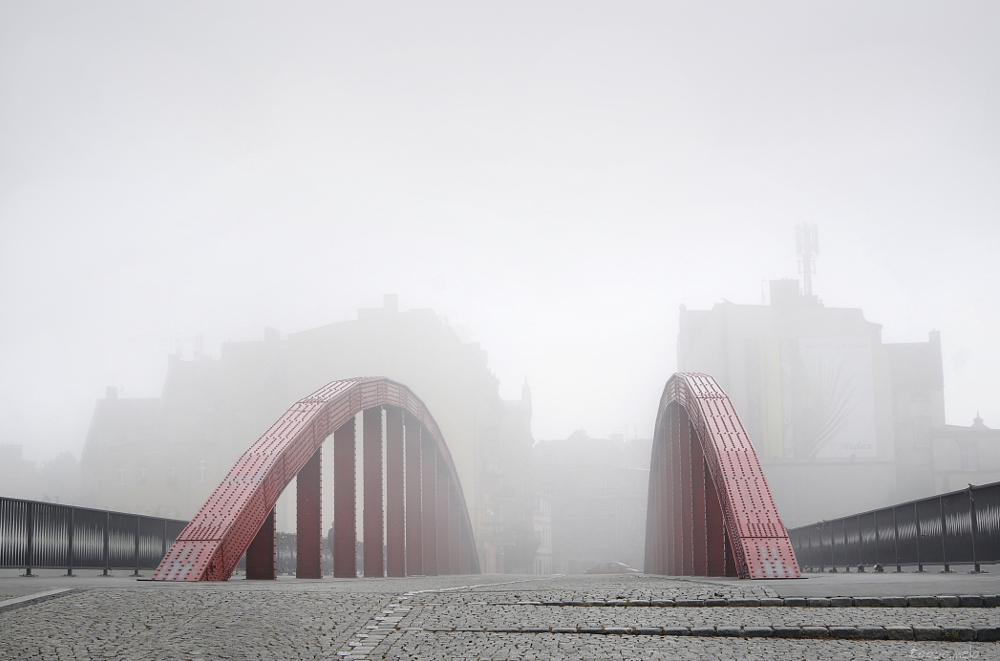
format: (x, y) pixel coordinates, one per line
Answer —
(831, 392)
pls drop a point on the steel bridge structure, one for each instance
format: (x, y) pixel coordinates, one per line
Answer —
(423, 527)
(710, 511)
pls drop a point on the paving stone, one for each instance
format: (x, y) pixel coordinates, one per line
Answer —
(949, 601)
(922, 601)
(676, 631)
(987, 634)
(728, 631)
(899, 632)
(841, 602)
(894, 602)
(689, 603)
(991, 600)
(970, 600)
(873, 633)
(772, 602)
(959, 633)
(758, 632)
(868, 602)
(787, 632)
(716, 603)
(744, 602)
(845, 633)
(815, 632)
(925, 632)
(818, 602)
(702, 631)
(794, 601)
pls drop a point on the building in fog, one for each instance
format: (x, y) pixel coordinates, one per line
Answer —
(596, 489)
(164, 456)
(842, 422)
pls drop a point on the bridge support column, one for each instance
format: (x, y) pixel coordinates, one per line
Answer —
(308, 519)
(395, 525)
(262, 557)
(414, 540)
(344, 533)
(442, 518)
(428, 500)
(716, 533)
(454, 534)
(373, 513)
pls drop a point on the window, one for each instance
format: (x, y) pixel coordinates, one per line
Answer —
(172, 477)
(970, 458)
(121, 476)
(142, 476)
(201, 471)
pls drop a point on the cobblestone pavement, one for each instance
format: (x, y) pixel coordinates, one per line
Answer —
(423, 618)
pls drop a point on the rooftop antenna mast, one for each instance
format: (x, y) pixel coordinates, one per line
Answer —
(807, 244)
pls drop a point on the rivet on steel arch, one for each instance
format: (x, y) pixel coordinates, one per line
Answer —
(426, 521)
(710, 511)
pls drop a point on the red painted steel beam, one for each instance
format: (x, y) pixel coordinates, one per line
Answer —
(395, 510)
(345, 532)
(262, 554)
(454, 534)
(428, 499)
(442, 514)
(705, 465)
(211, 545)
(308, 519)
(373, 512)
(414, 522)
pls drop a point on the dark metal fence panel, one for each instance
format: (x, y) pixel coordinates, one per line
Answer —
(906, 526)
(929, 521)
(46, 535)
(50, 539)
(13, 532)
(987, 503)
(962, 527)
(88, 537)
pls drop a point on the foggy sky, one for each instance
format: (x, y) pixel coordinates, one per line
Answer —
(557, 177)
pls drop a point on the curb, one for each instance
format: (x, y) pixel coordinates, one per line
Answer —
(916, 632)
(38, 597)
(922, 601)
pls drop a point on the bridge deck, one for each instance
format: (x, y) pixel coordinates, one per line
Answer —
(471, 617)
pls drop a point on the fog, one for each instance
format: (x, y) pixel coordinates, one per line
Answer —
(554, 178)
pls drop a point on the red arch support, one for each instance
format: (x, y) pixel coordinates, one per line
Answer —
(424, 499)
(710, 511)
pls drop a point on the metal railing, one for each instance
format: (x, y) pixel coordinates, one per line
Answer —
(39, 535)
(962, 527)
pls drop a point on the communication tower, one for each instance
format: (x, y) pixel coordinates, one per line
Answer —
(807, 244)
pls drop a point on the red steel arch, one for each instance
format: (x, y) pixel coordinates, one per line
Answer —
(710, 511)
(426, 520)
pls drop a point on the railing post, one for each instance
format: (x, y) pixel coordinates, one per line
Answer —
(69, 549)
(944, 534)
(847, 565)
(916, 517)
(138, 527)
(974, 530)
(29, 547)
(861, 536)
(878, 562)
(895, 541)
(107, 544)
